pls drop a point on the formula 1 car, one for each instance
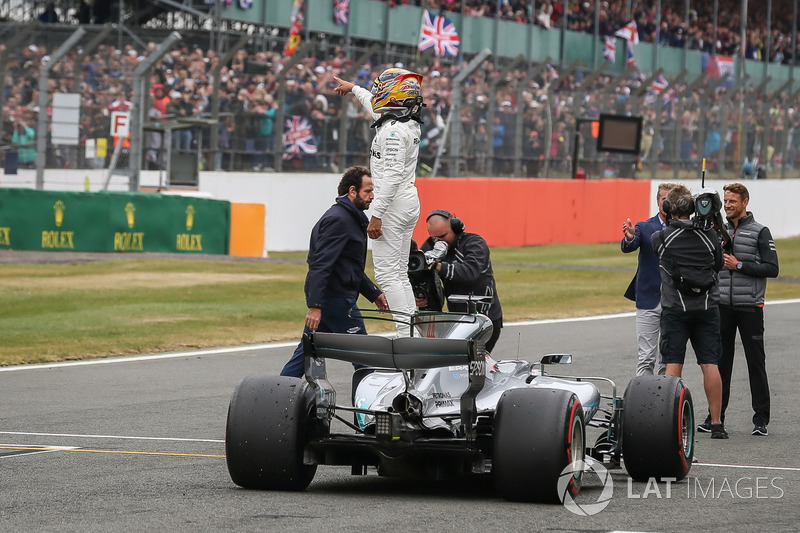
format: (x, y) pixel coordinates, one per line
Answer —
(435, 405)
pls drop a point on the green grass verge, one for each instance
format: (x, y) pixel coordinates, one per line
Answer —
(75, 311)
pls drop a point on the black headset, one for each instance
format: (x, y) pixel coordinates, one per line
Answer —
(455, 223)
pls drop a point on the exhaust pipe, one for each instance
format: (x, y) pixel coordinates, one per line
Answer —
(406, 405)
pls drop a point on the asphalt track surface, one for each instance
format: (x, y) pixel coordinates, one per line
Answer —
(136, 444)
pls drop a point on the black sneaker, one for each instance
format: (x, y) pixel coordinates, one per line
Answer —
(705, 427)
(718, 431)
(760, 430)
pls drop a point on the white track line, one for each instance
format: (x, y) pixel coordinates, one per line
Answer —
(567, 320)
(125, 437)
(22, 452)
(755, 467)
(153, 357)
(253, 347)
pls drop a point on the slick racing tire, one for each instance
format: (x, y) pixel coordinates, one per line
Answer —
(269, 424)
(538, 433)
(657, 428)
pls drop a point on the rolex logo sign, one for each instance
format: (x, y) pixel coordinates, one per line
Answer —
(129, 241)
(59, 208)
(189, 242)
(130, 212)
(58, 239)
(189, 217)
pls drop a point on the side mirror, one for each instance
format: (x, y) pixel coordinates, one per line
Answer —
(556, 359)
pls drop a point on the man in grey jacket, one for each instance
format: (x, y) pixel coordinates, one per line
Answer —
(690, 258)
(750, 260)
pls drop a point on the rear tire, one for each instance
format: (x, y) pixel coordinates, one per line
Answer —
(657, 428)
(269, 424)
(537, 434)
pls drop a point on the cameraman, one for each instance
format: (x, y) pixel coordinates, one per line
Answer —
(466, 268)
(690, 258)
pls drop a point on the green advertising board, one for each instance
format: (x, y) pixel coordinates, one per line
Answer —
(112, 222)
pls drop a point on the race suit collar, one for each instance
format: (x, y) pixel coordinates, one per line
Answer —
(388, 116)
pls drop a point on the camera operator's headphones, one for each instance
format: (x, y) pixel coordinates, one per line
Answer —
(455, 223)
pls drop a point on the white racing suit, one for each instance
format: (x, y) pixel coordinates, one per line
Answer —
(393, 164)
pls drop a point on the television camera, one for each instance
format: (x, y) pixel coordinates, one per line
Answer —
(424, 279)
(707, 211)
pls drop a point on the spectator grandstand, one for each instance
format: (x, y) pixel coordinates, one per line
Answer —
(512, 123)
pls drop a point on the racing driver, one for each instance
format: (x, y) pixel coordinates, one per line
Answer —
(394, 103)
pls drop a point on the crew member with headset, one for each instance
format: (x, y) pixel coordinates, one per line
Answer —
(689, 259)
(466, 268)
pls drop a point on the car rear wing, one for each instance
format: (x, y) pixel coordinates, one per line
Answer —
(404, 353)
(401, 353)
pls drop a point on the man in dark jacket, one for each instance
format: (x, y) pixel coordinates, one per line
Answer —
(742, 284)
(645, 287)
(689, 261)
(336, 257)
(465, 269)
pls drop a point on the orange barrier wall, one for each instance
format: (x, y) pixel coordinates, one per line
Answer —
(523, 212)
(247, 229)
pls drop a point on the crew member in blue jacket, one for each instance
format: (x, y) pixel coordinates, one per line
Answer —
(645, 287)
(337, 255)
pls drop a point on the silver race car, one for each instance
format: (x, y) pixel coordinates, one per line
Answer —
(435, 405)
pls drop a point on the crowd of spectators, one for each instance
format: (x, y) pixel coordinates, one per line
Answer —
(547, 106)
(676, 27)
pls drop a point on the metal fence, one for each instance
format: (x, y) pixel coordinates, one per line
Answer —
(525, 125)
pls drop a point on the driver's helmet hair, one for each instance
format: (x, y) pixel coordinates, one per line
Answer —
(396, 90)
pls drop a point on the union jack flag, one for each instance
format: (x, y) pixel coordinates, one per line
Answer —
(657, 88)
(341, 11)
(439, 33)
(630, 56)
(298, 137)
(659, 84)
(610, 48)
(629, 32)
